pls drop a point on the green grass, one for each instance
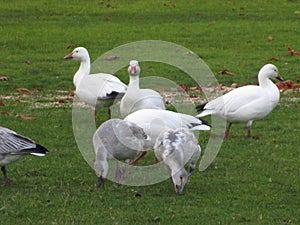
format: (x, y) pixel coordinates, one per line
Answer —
(250, 181)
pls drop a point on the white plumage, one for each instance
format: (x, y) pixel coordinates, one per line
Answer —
(247, 103)
(136, 98)
(94, 89)
(13, 146)
(116, 139)
(155, 121)
(176, 148)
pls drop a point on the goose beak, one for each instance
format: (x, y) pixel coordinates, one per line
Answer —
(132, 70)
(69, 56)
(279, 78)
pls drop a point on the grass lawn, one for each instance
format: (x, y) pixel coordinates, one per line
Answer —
(250, 181)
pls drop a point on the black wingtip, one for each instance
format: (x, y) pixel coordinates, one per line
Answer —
(39, 149)
(200, 108)
(204, 122)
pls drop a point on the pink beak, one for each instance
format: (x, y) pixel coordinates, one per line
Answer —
(132, 70)
(69, 56)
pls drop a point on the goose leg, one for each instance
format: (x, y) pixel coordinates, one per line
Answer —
(249, 123)
(6, 181)
(109, 113)
(95, 114)
(227, 130)
(101, 181)
(138, 158)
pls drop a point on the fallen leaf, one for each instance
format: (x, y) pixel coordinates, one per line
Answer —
(4, 78)
(234, 85)
(270, 38)
(27, 62)
(71, 92)
(39, 89)
(70, 46)
(225, 72)
(1, 102)
(293, 52)
(273, 59)
(189, 53)
(24, 117)
(24, 90)
(197, 88)
(182, 87)
(3, 112)
(111, 57)
(298, 80)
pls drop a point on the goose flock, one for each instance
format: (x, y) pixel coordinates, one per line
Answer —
(146, 124)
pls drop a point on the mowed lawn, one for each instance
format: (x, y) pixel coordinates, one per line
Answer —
(250, 182)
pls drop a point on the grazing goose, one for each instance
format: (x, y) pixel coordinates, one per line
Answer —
(247, 103)
(116, 139)
(177, 148)
(94, 89)
(136, 98)
(13, 146)
(155, 121)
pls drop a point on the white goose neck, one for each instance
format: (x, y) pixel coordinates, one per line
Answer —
(134, 82)
(264, 81)
(84, 69)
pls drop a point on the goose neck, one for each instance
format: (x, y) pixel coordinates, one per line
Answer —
(84, 69)
(134, 82)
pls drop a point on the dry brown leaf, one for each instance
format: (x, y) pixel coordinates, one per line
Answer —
(273, 59)
(27, 62)
(3, 78)
(111, 57)
(1, 102)
(225, 72)
(293, 52)
(4, 112)
(71, 92)
(24, 117)
(70, 46)
(24, 90)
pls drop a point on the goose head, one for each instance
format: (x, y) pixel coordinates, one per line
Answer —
(79, 54)
(179, 180)
(134, 68)
(270, 71)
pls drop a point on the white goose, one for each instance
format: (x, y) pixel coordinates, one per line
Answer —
(94, 89)
(247, 103)
(177, 148)
(155, 121)
(13, 146)
(136, 98)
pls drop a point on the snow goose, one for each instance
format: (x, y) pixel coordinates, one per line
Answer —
(136, 98)
(94, 89)
(116, 139)
(155, 121)
(13, 146)
(177, 148)
(247, 103)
